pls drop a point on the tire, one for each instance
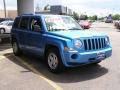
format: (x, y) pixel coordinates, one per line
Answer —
(2, 30)
(53, 60)
(16, 49)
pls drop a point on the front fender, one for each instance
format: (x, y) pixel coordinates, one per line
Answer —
(60, 44)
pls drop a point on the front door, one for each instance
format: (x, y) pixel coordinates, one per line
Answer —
(34, 37)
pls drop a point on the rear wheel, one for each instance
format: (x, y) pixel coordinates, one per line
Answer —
(16, 49)
(54, 61)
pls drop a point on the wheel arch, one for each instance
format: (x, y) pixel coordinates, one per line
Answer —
(58, 47)
(48, 46)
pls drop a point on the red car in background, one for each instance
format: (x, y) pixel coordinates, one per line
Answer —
(85, 24)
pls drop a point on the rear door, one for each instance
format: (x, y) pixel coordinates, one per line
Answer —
(23, 30)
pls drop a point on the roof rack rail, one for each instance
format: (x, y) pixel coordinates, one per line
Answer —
(28, 14)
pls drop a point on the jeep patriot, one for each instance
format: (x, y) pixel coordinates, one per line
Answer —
(60, 40)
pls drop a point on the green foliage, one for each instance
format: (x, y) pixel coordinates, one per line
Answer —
(75, 15)
(94, 17)
(83, 17)
(116, 17)
(47, 7)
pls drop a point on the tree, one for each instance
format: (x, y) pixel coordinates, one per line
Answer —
(116, 17)
(75, 15)
(101, 18)
(94, 17)
(83, 17)
(37, 9)
(47, 7)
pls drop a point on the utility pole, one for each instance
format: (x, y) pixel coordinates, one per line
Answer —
(4, 7)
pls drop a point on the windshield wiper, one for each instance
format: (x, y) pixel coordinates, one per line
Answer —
(59, 29)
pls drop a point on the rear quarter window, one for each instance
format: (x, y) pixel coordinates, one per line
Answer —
(24, 23)
(16, 23)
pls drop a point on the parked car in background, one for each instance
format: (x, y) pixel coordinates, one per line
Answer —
(5, 19)
(108, 21)
(117, 24)
(5, 26)
(85, 24)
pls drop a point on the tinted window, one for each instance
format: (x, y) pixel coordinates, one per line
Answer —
(24, 23)
(16, 23)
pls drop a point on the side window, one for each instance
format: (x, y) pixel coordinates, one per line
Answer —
(35, 24)
(24, 23)
(10, 23)
(16, 23)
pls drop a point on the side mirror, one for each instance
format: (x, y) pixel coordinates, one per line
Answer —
(37, 28)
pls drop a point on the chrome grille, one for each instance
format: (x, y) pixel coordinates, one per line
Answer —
(94, 43)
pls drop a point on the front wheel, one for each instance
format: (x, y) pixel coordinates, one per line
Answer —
(54, 61)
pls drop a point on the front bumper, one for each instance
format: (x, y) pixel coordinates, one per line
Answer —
(74, 58)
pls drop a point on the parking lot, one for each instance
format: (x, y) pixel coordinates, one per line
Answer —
(30, 73)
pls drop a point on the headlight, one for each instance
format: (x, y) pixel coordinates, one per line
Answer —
(78, 43)
(107, 41)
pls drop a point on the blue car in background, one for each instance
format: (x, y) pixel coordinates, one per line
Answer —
(60, 40)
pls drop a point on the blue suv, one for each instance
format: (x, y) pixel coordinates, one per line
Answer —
(60, 40)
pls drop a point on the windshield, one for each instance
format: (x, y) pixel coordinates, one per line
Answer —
(58, 23)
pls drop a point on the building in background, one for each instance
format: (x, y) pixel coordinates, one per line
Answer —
(9, 14)
(59, 9)
(2, 14)
(56, 9)
(12, 13)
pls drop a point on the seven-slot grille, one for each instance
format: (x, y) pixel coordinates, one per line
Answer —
(94, 43)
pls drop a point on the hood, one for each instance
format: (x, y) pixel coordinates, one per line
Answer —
(77, 34)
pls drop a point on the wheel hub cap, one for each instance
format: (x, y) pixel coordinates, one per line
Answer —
(52, 61)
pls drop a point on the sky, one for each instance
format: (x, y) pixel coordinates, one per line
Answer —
(89, 7)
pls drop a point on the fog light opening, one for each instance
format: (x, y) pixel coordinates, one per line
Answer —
(74, 56)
